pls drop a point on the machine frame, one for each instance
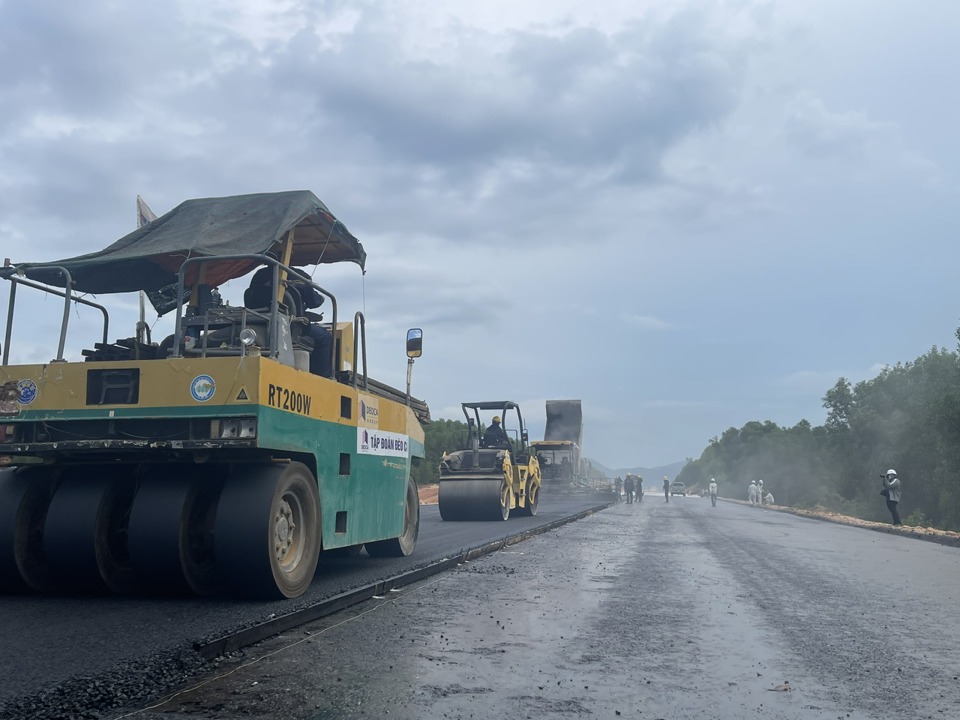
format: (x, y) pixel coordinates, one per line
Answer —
(213, 462)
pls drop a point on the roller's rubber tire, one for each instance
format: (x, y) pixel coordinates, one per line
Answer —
(84, 536)
(267, 530)
(24, 498)
(170, 533)
(403, 545)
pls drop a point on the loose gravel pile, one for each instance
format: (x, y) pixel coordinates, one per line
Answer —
(93, 697)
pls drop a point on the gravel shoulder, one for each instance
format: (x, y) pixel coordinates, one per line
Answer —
(944, 537)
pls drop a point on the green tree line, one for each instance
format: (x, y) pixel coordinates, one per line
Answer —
(906, 418)
(440, 436)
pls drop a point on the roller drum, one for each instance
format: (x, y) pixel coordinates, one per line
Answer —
(474, 499)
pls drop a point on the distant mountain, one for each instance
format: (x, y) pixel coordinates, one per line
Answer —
(671, 470)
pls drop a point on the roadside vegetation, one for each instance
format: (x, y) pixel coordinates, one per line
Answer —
(440, 436)
(907, 418)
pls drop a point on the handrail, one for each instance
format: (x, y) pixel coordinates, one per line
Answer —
(359, 329)
(9, 329)
(18, 275)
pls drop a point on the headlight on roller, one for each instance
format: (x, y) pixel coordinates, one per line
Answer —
(248, 337)
(237, 428)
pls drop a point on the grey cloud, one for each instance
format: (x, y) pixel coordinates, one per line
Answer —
(88, 90)
(645, 322)
(487, 139)
(816, 130)
(90, 59)
(499, 142)
(583, 100)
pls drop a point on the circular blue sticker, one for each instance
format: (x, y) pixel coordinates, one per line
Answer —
(28, 391)
(202, 388)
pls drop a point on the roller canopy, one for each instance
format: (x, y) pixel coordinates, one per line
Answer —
(150, 257)
(492, 405)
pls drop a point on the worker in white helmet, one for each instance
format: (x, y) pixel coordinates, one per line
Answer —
(891, 490)
(752, 492)
(712, 488)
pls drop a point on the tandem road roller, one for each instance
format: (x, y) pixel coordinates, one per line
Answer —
(223, 459)
(497, 472)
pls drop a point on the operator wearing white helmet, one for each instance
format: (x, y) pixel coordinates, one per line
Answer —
(712, 487)
(891, 490)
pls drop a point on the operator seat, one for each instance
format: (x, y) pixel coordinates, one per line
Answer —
(260, 297)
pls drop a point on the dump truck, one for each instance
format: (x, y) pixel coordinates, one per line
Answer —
(495, 474)
(216, 461)
(561, 464)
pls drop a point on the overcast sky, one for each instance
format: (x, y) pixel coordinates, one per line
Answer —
(687, 214)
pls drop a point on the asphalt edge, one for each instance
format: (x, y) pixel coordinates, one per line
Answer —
(907, 531)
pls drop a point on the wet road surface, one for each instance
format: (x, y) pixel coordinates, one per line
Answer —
(654, 610)
(91, 649)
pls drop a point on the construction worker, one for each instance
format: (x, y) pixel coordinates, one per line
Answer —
(760, 492)
(639, 488)
(628, 488)
(892, 491)
(302, 296)
(752, 492)
(495, 435)
(712, 487)
(666, 488)
(619, 484)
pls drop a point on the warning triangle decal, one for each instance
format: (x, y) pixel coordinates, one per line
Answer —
(242, 395)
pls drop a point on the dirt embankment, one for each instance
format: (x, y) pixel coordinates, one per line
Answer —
(428, 494)
(944, 537)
